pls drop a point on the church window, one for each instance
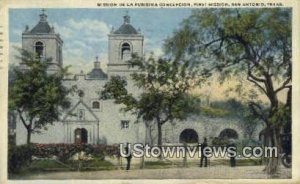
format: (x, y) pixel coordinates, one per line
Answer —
(39, 49)
(124, 124)
(96, 105)
(125, 52)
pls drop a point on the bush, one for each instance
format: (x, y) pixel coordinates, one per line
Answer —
(214, 112)
(19, 156)
(65, 151)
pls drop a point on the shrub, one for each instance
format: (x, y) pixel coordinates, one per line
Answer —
(18, 156)
(65, 151)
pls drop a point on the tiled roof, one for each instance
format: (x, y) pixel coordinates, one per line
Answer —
(97, 73)
(126, 29)
(41, 27)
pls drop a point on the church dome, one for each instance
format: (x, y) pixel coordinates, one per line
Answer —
(97, 72)
(42, 26)
(126, 27)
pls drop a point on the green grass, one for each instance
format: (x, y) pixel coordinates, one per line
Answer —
(158, 165)
(38, 166)
(239, 162)
(92, 165)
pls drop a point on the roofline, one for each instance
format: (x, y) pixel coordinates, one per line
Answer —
(126, 35)
(50, 35)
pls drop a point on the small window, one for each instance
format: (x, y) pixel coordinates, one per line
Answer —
(39, 49)
(96, 105)
(124, 124)
(80, 93)
(125, 52)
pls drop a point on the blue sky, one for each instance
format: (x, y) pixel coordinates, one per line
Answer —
(84, 31)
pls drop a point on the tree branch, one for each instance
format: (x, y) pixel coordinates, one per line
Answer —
(257, 84)
(250, 74)
(22, 119)
(254, 106)
(284, 85)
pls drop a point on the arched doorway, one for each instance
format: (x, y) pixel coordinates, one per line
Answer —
(81, 136)
(229, 134)
(188, 136)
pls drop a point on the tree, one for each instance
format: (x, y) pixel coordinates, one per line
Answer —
(35, 95)
(250, 43)
(164, 91)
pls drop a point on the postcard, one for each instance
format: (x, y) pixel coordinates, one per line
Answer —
(149, 91)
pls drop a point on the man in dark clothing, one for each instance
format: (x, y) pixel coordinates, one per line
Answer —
(203, 156)
(128, 157)
(232, 148)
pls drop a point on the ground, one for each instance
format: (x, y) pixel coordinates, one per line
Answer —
(213, 172)
(167, 169)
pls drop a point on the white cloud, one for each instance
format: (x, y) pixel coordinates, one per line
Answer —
(153, 46)
(89, 24)
(83, 40)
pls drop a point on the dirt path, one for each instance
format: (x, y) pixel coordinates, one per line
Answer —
(214, 172)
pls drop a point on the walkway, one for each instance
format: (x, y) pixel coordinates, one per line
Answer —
(214, 172)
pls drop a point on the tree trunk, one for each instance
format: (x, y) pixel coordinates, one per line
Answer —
(28, 134)
(273, 163)
(159, 136)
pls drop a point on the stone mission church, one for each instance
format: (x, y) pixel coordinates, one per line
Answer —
(94, 121)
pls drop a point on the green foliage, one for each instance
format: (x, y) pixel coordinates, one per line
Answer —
(214, 112)
(65, 151)
(18, 156)
(251, 43)
(163, 85)
(36, 95)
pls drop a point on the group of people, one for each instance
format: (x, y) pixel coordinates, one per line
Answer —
(204, 156)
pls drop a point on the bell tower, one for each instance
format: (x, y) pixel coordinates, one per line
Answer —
(122, 43)
(44, 43)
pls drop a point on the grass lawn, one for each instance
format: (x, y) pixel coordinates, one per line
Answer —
(158, 165)
(39, 166)
(215, 162)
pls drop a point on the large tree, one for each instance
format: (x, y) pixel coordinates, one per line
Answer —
(163, 91)
(250, 43)
(36, 95)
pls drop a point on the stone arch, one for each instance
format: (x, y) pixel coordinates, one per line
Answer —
(189, 136)
(229, 133)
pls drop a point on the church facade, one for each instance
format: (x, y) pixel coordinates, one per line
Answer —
(95, 121)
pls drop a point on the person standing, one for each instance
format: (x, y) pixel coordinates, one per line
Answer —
(203, 154)
(128, 156)
(231, 149)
